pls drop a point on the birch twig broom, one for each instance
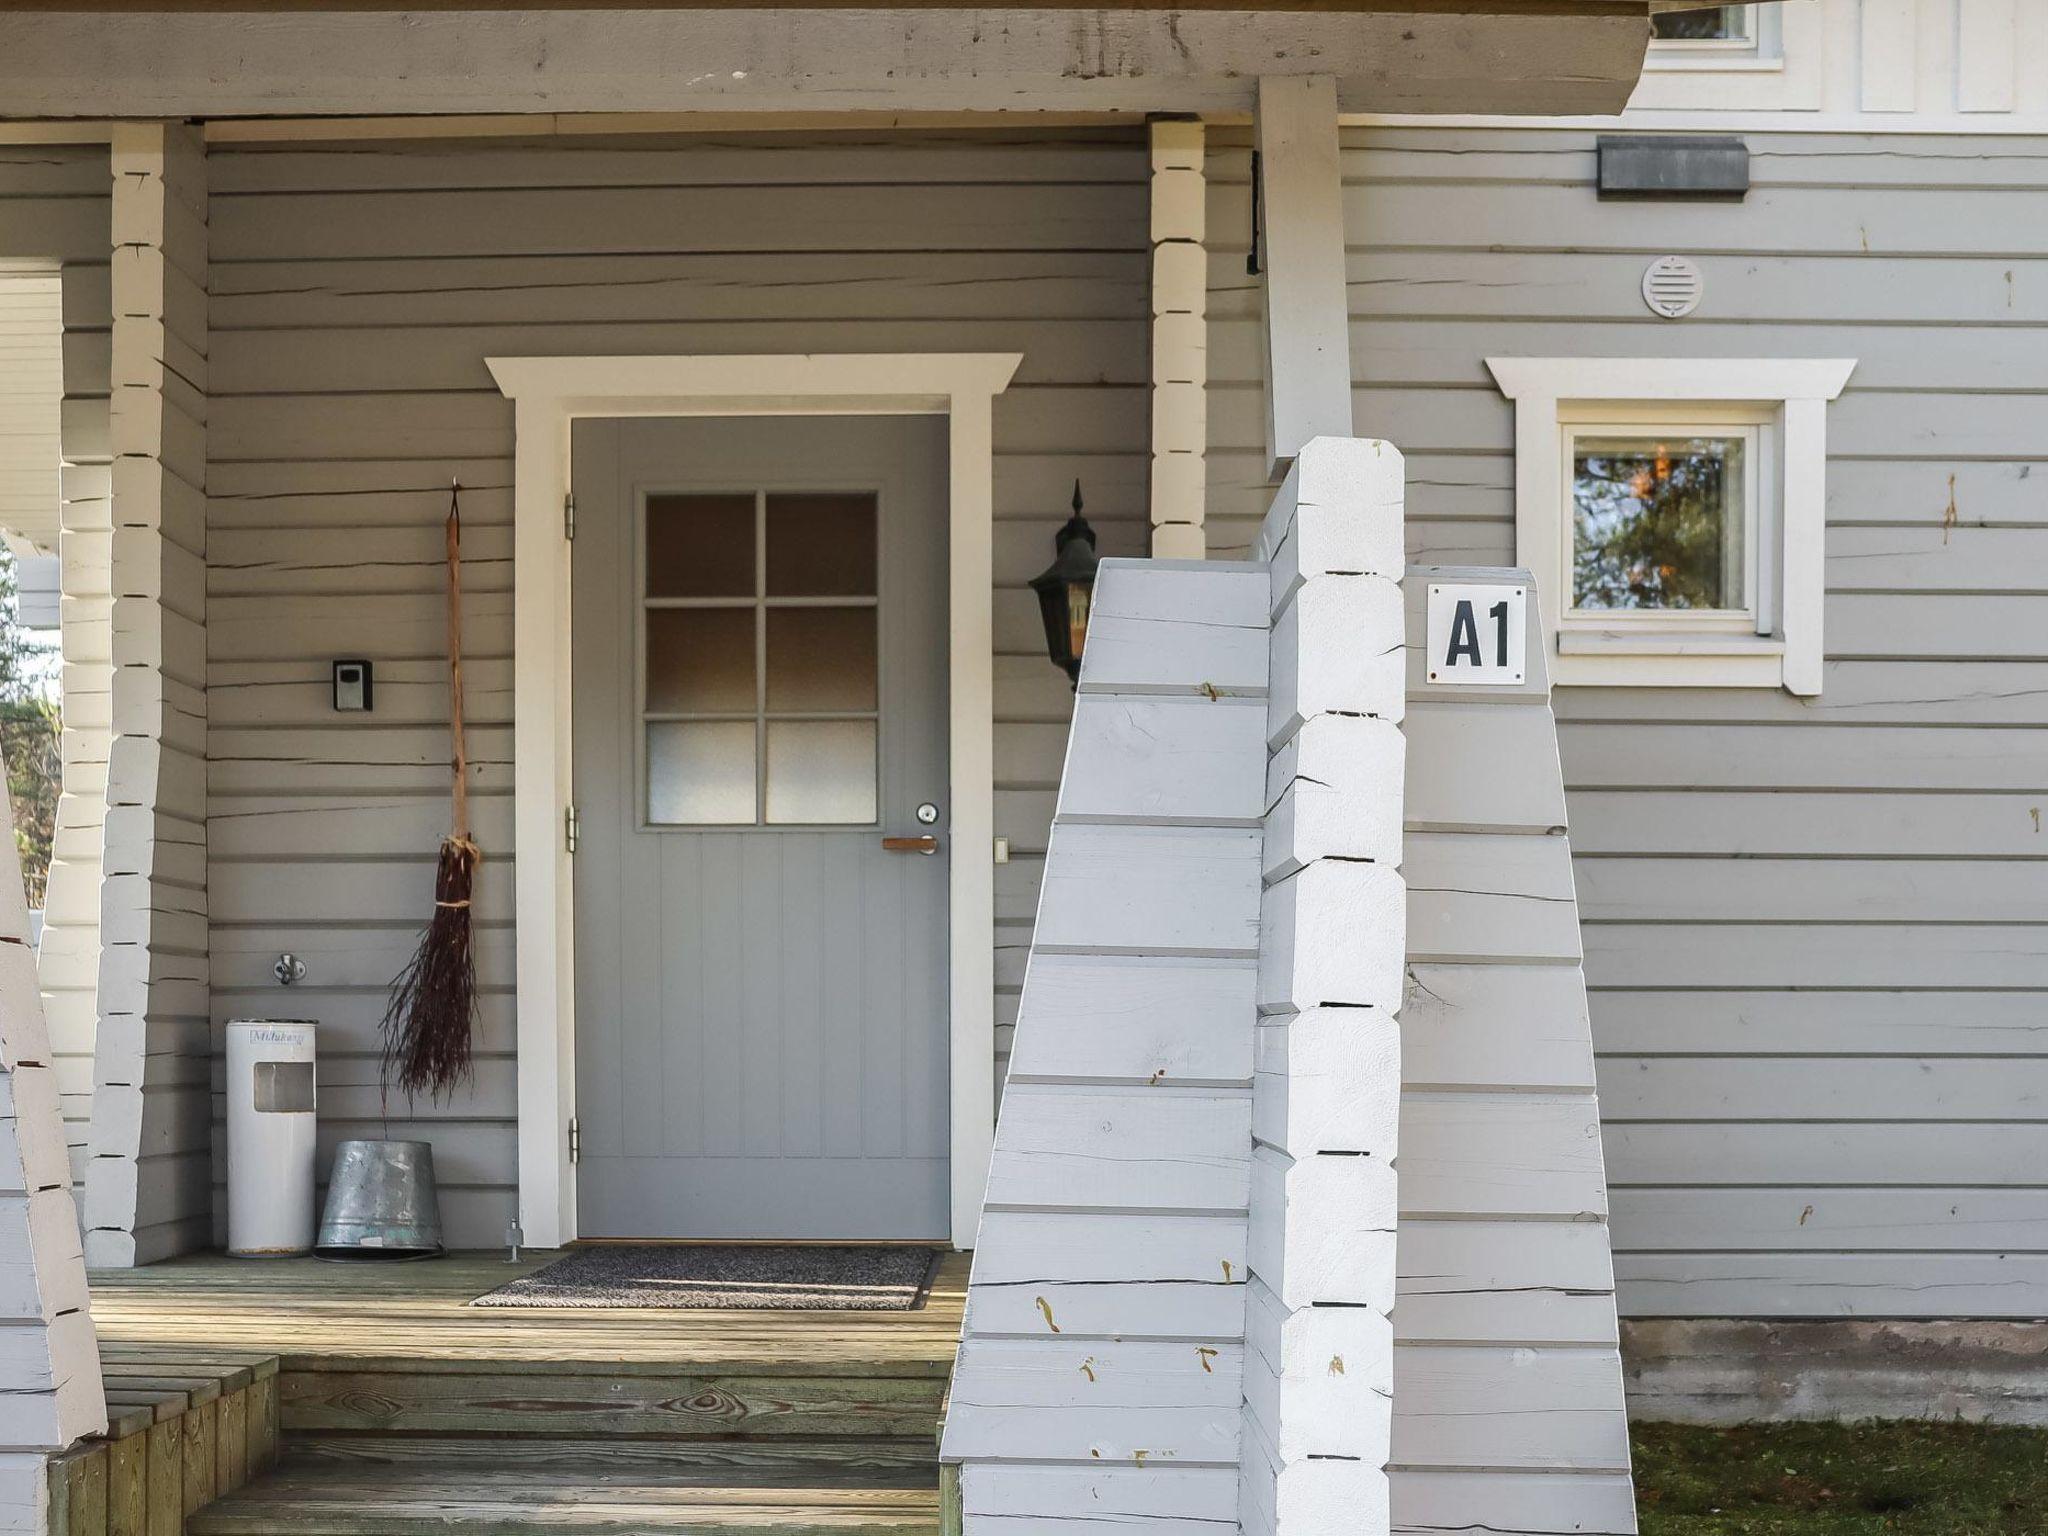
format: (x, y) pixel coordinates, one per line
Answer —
(428, 1021)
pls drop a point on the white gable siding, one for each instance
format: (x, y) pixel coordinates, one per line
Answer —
(356, 291)
(1812, 934)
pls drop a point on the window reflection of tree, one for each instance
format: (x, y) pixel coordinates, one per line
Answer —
(1650, 529)
(1713, 24)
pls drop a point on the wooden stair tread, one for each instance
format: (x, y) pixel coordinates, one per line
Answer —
(417, 1317)
(904, 1459)
(509, 1499)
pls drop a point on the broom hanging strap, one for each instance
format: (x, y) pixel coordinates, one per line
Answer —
(461, 758)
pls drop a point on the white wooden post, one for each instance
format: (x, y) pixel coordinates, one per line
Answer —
(1180, 341)
(50, 1393)
(68, 957)
(1301, 220)
(1318, 1371)
(152, 1080)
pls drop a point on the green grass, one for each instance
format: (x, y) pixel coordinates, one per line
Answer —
(1842, 1480)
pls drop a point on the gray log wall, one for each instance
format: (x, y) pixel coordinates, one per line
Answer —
(1812, 927)
(356, 292)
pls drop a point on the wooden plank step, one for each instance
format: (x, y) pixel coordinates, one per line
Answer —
(905, 1462)
(188, 1359)
(577, 1401)
(226, 1378)
(510, 1500)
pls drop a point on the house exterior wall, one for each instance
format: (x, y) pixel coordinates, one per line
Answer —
(1811, 926)
(356, 291)
(55, 209)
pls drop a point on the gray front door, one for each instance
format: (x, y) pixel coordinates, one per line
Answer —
(759, 632)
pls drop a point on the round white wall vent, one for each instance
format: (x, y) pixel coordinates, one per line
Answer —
(1673, 286)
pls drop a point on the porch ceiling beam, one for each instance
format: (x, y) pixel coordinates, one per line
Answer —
(1499, 56)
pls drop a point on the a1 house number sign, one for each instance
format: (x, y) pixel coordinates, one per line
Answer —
(1478, 633)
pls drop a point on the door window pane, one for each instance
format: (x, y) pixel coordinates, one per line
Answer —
(821, 545)
(700, 546)
(1658, 523)
(821, 659)
(700, 771)
(821, 771)
(700, 661)
(737, 645)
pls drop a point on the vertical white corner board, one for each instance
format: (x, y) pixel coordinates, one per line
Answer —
(1301, 223)
(1327, 1060)
(1100, 1371)
(152, 1073)
(1507, 1378)
(52, 1368)
(1180, 339)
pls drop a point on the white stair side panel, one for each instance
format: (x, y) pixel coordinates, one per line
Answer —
(1137, 1017)
(1100, 1371)
(1508, 1410)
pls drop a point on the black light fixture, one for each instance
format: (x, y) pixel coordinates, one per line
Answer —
(1066, 591)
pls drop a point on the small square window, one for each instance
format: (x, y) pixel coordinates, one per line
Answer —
(1712, 26)
(1672, 514)
(1661, 521)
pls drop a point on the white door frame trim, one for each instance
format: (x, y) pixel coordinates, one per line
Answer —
(548, 394)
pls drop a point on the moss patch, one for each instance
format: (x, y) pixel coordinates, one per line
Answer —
(1841, 1480)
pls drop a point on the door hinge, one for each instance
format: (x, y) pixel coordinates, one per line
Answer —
(575, 1140)
(571, 825)
(569, 516)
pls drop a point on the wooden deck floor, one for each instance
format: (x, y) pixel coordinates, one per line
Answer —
(328, 1315)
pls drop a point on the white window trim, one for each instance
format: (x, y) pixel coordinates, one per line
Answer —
(1783, 70)
(1790, 395)
(549, 393)
(1760, 47)
(1756, 426)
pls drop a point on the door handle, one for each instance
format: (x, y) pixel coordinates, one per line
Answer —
(925, 844)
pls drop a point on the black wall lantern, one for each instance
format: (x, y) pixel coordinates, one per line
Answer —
(1066, 591)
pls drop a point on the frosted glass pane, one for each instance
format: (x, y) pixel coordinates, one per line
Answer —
(700, 546)
(821, 771)
(700, 661)
(700, 772)
(821, 658)
(821, 545)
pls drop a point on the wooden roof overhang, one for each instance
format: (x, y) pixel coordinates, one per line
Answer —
(297, 58)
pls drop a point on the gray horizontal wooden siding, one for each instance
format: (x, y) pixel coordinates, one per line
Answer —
(1814, 930)
(56, 210)
(356, 292)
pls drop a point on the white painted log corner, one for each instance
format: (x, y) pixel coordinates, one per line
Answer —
(52, 1392)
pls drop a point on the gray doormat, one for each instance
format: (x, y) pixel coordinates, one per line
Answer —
(793, 1277)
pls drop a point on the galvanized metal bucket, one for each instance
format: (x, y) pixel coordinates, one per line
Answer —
(380, 1203)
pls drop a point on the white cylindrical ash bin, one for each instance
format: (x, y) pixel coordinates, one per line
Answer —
(272, 1122)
